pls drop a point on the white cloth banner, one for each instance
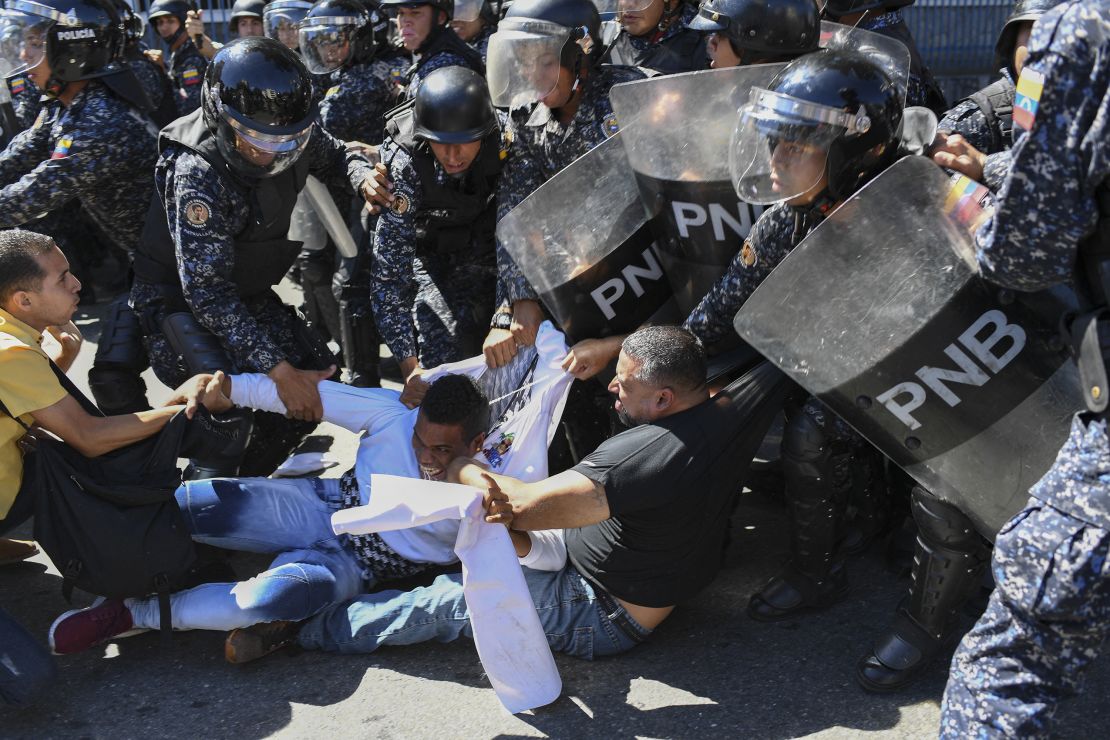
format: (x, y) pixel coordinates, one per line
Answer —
(507, 632)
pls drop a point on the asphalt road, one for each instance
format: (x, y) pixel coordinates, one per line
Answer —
(707, 672)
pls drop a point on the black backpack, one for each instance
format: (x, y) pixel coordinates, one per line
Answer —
(111, 524)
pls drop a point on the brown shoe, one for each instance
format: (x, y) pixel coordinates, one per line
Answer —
(251, 643)
(16, 551)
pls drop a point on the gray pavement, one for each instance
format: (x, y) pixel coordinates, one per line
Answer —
(708, 672)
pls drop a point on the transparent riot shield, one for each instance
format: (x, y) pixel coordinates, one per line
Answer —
(676, 132)
(880, 313)
(583, 242)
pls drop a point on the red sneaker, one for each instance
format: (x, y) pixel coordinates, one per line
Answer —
(81, 629)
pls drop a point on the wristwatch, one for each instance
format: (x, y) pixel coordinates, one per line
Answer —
(501, 320)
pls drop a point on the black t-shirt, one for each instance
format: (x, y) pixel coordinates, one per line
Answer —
(669, 486)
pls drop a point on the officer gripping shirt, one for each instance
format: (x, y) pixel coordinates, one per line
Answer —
(1050, 610)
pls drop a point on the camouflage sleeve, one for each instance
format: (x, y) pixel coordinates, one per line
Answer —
(766, 245)
(967, 120)
(23, 153)
(520, 177)
(201, 214)
(1047, 202)
(187, 79)
(333, 163)
(72, 168)
(26, 106)
(994, 171)
(392, 284)
(354, 108)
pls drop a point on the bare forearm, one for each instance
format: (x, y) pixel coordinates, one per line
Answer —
(112, 432)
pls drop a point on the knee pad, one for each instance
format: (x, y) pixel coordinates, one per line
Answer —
(942, 524)
(121, 339)
(360, 340)
(805, 447)
(198, 347)
(118, 390)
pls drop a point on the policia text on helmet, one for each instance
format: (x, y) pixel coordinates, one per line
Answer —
(541, 52)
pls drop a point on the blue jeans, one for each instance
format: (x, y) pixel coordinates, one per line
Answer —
(292, 517)
(25, 666)
(572, 618)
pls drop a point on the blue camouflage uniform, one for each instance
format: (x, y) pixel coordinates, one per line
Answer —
(969, 119)
(923, 88)
(355, 103)
(1050, 610)
(257, 333)
(428, 303)
(152, 79)
(186, 70)
(97, 150)
(443, 49)
(392, 67)
(26, 100)
(677, 49)
(480, 43)
(539, 146)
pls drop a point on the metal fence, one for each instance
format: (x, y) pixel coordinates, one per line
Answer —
(956, 39)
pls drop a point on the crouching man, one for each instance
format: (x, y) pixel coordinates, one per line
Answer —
(645, 516)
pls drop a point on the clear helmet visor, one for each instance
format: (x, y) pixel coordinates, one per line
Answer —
(325, 47)
(22, 41)
(256, 153)
(613, 9)
(522, 64)
(280, 21)
(779, 149)
(467, 10)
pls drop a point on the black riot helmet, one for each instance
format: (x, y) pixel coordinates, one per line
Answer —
(1024, 10)
(447, 6)
(472, 10)
(133, 26)
(79, 38)
(535, 30)
(838, 105)
(336, 33)
(380, 23)
(834, 9)
(244, 9)
(280, 19)
(453, 106)
(771, 29)
(179, 9)
(257, 102)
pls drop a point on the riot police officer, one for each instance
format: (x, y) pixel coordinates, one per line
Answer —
(655, 35)
(1049, 614)
(246, 18)
(422, 26)
(984, 120)
(215, 241)
(885, 17)
(338, 38)
(557, 94)
(474, 21)
(24, 94)
(155, 83)
(757, 31)
(434, 270)
(280, 19)
(186, 64)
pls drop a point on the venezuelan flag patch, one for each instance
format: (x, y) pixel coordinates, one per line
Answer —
(1029, 88)
(61, 149)
(190, 76)
(966, 202)
(17, 85)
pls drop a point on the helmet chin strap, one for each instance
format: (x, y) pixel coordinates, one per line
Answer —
(807, 216)
(54, 87)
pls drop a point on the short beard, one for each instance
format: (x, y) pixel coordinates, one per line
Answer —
(627, 419)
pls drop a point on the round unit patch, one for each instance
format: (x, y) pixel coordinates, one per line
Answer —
(196, 213)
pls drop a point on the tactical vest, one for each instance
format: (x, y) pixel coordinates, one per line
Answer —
(450, 219)
(444, 40)
(263, 252)
(996, 101)
(683, 52)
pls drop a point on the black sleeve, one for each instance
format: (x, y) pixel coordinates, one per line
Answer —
(640, 469)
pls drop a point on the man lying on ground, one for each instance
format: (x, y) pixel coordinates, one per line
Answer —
(645, 516)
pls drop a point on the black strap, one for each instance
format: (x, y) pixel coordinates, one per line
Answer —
(89, 407)
(18, 421)
(162, 587)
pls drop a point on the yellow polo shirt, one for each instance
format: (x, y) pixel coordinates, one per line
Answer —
(26, 384)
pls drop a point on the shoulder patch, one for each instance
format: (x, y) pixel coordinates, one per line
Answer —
(17, 85)
(400, 204)
(331, 91)
(39, 119)
(197, 213)
(1028, 96)
(61, 149)
(748, 256)
(610, 126)
(191, 76)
